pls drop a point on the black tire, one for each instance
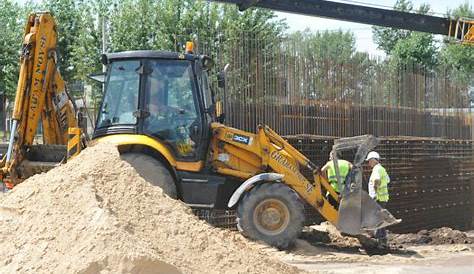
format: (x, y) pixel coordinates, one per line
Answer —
(273, 213)
(152, 171)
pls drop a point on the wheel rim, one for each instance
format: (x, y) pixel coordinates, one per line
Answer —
(271, 216)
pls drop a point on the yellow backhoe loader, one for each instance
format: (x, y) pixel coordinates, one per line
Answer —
(159, 110)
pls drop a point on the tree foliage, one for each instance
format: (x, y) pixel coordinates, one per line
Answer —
(13, 18)
(407, 46)
(129, 25)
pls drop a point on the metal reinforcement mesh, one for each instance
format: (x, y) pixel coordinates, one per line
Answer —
(300, 91)
(432, 181)
(297, 87)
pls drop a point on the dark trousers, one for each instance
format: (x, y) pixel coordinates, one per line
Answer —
(382, 232)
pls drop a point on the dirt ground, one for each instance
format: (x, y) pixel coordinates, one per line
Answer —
(95, 214)
(322, 250)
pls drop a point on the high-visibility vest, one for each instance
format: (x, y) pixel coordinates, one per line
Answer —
(382, 191)
(344, 167)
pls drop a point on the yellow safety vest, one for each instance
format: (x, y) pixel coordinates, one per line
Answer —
(382, 191)
(344, 167)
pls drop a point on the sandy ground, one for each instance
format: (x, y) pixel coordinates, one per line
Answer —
(96, 215)
(347, 258)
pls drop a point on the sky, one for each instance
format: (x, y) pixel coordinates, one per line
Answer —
(362, 32)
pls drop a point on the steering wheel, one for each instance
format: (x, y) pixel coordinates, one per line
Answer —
(170, 118)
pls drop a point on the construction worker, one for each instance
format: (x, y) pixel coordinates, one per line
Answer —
(344, 168)
(378, 190)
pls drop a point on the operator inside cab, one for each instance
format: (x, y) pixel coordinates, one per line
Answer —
(171, 109)
(157, 103)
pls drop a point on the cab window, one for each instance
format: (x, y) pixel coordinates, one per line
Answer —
(120, 101)
(169, 100)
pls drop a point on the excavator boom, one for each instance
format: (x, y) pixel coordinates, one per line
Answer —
(41, 98)
(460, 29)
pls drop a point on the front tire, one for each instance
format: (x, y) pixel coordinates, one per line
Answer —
(152, 171)
(273, 213)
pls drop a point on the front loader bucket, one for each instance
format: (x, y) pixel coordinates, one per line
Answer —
(358, 213)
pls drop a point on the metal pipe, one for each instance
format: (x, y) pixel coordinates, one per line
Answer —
(12, 138)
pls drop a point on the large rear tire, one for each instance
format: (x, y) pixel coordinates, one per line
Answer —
(273, 213)
(152, 171)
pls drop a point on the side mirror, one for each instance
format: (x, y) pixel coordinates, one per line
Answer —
(207, 62)
(99, 77)
(221, 77)
(221, 80)
(221, 118)
(103, 59)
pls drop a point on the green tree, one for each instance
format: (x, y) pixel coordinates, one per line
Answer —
(86, 49)
(67, 14)
(331, 45)
(336, 70)
(387, 38)
(407, 46)
(135, 25)
(418, 48)
(10, 45)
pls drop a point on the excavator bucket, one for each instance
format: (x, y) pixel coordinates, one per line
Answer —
(41, 158)
(358, 213)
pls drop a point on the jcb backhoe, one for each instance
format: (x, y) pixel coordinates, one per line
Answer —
(159, 110)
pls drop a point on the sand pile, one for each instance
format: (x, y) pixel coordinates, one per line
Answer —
(96, 215)
(443, 235)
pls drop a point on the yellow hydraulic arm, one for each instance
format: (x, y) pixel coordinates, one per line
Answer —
(40, 97)
(241, 154)
(265, 151)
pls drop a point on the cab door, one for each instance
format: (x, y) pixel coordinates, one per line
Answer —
(173, 107)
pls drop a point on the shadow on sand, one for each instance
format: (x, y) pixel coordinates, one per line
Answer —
(314, 242)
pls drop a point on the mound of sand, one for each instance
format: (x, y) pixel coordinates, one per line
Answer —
(95, 214)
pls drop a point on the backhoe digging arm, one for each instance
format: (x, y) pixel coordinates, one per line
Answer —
(40, 96)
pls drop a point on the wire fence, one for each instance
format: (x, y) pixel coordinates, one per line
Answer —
(296, 89)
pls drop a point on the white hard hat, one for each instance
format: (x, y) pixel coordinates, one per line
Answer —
(373, 155)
